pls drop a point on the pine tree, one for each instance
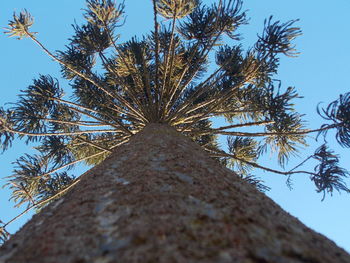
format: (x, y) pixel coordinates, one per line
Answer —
(165, 78)
(161, 198)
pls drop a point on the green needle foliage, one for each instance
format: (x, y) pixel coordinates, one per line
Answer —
(20, 25)
(4, 235)
(165, 77)
(328, 175)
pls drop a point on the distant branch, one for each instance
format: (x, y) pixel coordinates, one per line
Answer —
(224, 154)
(156, 36)
(42, 202)
(58, 133)
(120, 125)
(55, 58)
(261, 134)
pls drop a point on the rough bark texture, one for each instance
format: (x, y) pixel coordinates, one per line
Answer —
(160, 198)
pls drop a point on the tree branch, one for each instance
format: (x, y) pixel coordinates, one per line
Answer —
(224, 154)
(41, 202)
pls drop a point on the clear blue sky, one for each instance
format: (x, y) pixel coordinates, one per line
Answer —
(320, 74)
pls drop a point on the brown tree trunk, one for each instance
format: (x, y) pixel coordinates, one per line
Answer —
(160, 198)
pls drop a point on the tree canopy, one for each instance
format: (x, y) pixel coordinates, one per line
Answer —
(190, 69)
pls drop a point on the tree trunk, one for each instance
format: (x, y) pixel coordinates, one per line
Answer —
(161, 198)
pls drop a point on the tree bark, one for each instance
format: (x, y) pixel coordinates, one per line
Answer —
(161, 198)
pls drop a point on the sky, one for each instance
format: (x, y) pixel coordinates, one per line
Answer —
(319, 74)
